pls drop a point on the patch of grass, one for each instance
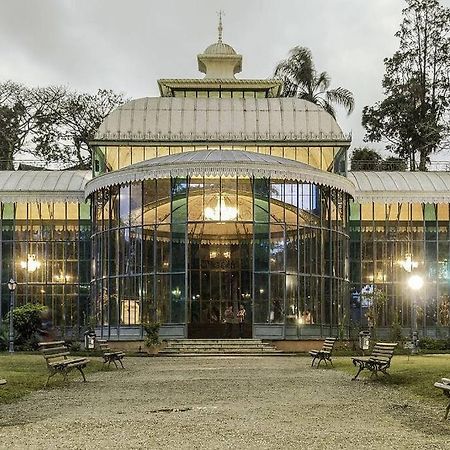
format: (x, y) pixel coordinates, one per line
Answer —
(414, 374)
(26, 372)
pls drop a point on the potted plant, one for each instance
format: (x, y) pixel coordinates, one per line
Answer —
(151, 339)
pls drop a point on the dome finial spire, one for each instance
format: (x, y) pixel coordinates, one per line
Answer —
(220, 27)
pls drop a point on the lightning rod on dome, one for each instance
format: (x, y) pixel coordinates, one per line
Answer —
(220, 27)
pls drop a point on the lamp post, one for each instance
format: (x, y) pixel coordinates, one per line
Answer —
(12, 287)
(415, 282)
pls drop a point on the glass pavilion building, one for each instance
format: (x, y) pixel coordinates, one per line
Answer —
(221, 192)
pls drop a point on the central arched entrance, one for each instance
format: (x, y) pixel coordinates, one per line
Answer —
(220, 233)
(220, 274)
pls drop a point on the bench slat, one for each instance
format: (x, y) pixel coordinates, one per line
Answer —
(51, 344)
(57, 355)
(50, 351)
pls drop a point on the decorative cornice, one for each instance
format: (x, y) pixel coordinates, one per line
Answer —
(167, 85)
(42, 197)
(401, 197)
(340, 138)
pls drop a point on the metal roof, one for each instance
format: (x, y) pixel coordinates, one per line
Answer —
(412, 187)
(175, 119)
(219, 48)
(43, 185)
(227, 163)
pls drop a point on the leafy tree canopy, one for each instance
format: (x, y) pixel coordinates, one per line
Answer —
(367, 159)
(413, 119)
(51, 123)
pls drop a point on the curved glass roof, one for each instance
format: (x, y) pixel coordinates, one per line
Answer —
(215, 163)
(413, 187)
(43, 185)
(172, 119)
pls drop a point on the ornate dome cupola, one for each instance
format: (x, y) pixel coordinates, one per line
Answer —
(219, 60)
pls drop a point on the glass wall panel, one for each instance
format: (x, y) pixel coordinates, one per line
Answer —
(45, 247)
(179, 251)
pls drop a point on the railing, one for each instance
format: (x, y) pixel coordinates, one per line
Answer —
(34, 164)
(402, 166)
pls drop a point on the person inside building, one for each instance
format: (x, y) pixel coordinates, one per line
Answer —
(241, 318)
(228, 317)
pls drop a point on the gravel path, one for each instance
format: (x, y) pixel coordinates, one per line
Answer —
(220, 403)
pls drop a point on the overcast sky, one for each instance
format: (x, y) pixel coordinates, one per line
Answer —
(128, 45)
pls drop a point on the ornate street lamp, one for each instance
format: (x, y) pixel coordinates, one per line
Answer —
(415, 282)
(12, 287)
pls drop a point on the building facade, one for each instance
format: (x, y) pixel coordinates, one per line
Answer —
(220, 192)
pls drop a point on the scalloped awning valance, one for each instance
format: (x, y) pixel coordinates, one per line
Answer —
(225, 163)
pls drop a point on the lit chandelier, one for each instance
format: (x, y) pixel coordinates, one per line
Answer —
(31, 264)
(408, 264)
(221, 212)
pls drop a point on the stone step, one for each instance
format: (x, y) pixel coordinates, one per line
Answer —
(211, 341)
(218, 344)
(221, 349)
(221, 355)
(177, 347)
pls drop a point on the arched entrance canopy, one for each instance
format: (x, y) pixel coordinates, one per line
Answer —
(221, 163)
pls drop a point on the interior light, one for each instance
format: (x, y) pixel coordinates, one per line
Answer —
(31, 264)
(415, 282)
(408, 264)
(221, 212)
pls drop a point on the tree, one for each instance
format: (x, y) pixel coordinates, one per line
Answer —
(23, 110)
(301, 80)
(51, 123)
(414, 117)
(365, 158)
(66, 139)
(392, 163)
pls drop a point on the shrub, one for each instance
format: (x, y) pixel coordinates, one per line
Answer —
(3, 338)
(428, 343)
(27, 322)
(152, 333)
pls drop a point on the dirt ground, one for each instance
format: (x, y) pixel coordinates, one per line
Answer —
(222, 403)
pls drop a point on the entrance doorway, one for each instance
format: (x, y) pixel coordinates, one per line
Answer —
(220, 274)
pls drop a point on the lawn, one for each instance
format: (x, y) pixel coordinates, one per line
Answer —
(414, 374)
(25, 373)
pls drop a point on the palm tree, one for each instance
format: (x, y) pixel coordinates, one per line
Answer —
(300, 79)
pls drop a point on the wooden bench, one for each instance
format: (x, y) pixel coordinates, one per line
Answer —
(56, 356)
(110, 356)
(324, 354)
(378, 361)
(444, 384)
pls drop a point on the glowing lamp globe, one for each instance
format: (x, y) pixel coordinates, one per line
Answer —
(415, 282)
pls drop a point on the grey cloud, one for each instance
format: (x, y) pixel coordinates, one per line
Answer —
(128, 45)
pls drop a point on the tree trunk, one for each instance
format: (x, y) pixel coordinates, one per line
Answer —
(423, 161)
(6, 159)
